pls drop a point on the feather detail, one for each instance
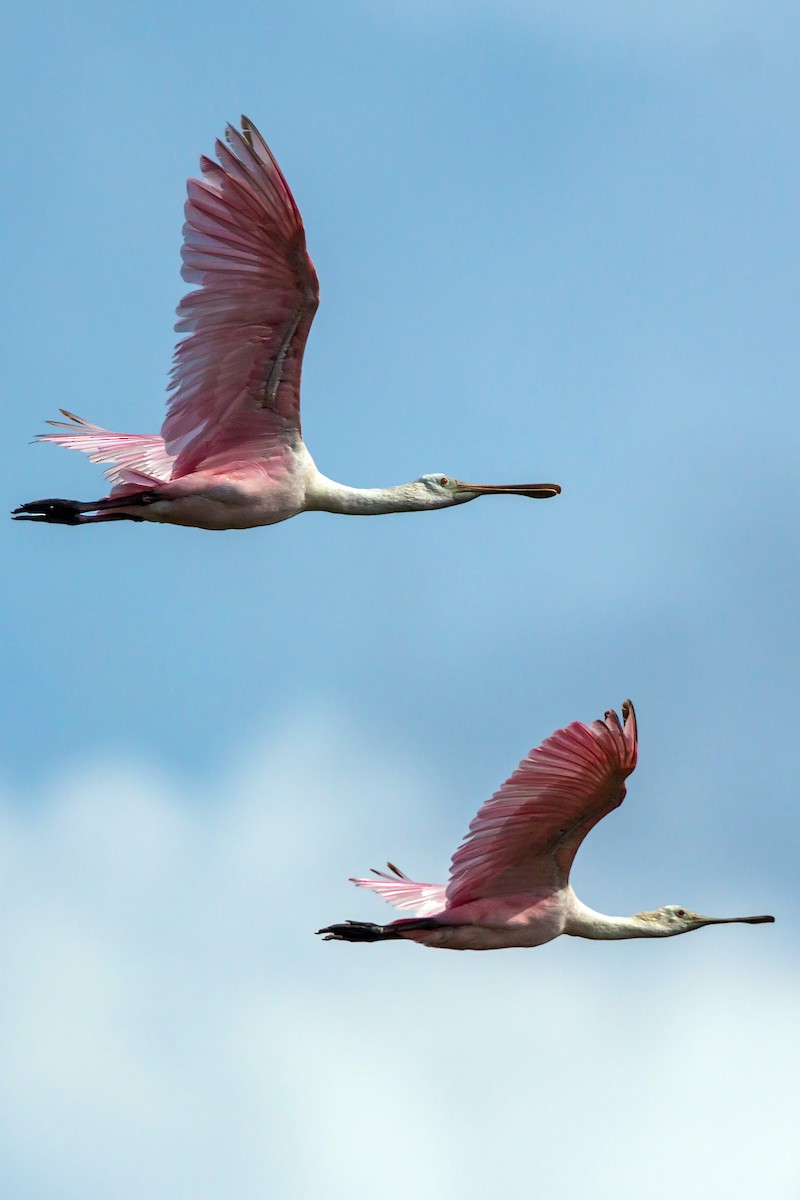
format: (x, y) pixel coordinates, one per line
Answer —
(528, 833)
(235, 378)
(136, 457)
(423, 899)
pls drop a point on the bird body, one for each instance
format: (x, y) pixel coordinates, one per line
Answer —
(526, 919)
(230, 454)
(509, 879)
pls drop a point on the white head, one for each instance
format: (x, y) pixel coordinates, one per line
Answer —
(672, 919)
(444, 489)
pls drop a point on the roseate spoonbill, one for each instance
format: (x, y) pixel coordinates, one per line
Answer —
(509, 879)
(230, 454)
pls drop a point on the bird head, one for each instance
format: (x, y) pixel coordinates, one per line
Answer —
(672, 919)
(448, 490)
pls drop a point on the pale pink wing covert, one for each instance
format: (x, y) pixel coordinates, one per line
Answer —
(235, 379)
(137, 458)
(527, 835)
(423, 899)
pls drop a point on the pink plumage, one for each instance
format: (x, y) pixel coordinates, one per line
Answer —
(530, 830)
(397, 889)
(236, 377)
(509, 879)
(230, 454)
(135, 457)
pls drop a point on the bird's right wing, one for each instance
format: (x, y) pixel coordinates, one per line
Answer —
(236, 376)
(528, 833)
(137, 458)
(423, 899)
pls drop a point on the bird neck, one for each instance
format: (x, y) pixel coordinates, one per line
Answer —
(586, 923)
(329, 496)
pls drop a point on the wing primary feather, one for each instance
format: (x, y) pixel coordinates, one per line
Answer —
(234, 389)
(527, 834)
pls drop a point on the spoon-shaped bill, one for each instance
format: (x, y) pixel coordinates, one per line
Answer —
(737, 920)
(537, 491)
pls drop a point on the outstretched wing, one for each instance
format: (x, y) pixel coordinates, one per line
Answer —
(528, 833)
(424, 899)
(138, 458)
(236, 378)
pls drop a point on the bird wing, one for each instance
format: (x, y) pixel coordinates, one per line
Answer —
(424, 899)
(235, 378)
(528, 833)
(136, 457)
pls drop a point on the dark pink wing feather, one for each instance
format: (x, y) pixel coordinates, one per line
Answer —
(528, 833)
(235, 379)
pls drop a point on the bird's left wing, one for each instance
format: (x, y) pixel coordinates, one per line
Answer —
(236, 378)
(528, 833)
(423, 899)
(137, 458)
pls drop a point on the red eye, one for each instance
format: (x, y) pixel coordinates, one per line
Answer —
(444, 481)
(681, 912)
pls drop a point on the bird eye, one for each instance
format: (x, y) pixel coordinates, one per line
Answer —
(681, 912)
(444, 481)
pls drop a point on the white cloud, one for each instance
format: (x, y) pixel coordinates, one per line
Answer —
(170, 1026)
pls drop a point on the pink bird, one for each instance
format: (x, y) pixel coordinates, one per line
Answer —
(230, 453)
(509, 879)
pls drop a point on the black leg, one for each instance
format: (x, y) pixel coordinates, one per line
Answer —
(73, 512)
(54, 512)
(358, 931)
(365, 931)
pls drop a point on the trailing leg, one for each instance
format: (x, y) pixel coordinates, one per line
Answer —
(54, 512)
(366, 931)
(75, 512)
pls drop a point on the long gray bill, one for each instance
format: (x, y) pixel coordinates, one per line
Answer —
(537, 491)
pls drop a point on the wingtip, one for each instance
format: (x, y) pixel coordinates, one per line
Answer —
(630, 728)
(247, 129)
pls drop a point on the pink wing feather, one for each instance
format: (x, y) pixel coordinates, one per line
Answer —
(529, 832)
(424, 899)
(138, 458)
(236, 377)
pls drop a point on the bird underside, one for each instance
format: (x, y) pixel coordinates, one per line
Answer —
(442, 934)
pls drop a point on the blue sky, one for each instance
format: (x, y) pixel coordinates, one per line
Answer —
(554, 241)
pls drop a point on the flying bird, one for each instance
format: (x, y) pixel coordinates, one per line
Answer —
(509, 879)
(230, 454)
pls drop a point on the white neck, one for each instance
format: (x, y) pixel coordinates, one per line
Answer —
(584, 922)
(330, 496)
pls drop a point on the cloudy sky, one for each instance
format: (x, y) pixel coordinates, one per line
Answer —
(554, 241)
